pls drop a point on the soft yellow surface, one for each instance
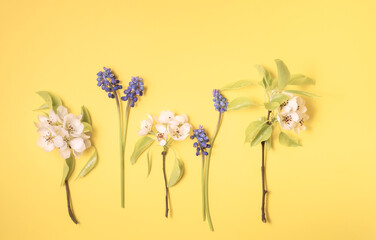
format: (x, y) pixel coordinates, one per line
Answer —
(184, 49)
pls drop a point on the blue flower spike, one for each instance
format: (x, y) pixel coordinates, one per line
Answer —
(202, 141)
(220, 102)
(134, 90)
(107, 81)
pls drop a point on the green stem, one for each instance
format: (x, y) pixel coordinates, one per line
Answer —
(207, 164)
(203, 186)
(121, 153)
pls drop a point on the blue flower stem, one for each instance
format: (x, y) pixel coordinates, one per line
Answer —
(121, 153)
(203, 186)
(207, 164)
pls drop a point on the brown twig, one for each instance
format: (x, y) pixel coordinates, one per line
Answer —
(165, 180)
(264, 191)
(70, 211)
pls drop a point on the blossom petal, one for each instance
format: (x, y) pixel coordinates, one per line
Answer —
(161, 128)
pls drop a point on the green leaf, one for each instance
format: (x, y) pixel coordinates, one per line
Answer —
(91, 163)
(236, 85)
(51, 100)
(141, 145)
(267, 80)
(87, 127)
(263, 135)
(280, 98)
(307, 94)
(42, 107)
(85, 115)
(268, 144)
(239, 103)
(177, 173)
(68, 169)
(252, 129)
(149, 161)
(272, 105)
(286, 140)
(299, 79)
(283, 74)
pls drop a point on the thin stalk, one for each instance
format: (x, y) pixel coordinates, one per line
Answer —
(70, 210)
(203, 186)
(127, 111)
(121, 153)
(207, 164)
(165, 179)
(264, 191)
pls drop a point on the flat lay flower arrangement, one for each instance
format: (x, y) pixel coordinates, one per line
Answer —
(107, 80)
(285, 109)
(286, 112)
(163, 130)
(69, 133)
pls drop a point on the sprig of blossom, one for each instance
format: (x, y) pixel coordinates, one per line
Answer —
(68, 133)
(284, 111)
(109, 83)
(163, 129)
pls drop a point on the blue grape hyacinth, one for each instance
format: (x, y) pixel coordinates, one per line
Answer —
(220, 102)
(202, 141)
(107, 80)
(135, 89)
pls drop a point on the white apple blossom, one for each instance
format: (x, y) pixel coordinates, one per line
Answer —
(146, 126)
(161, 134)
(73, 124)
(300, 124)
(166, 117)
(64, 131)
(288, 120)
(179, 119)
(292, 114)
(179, 132)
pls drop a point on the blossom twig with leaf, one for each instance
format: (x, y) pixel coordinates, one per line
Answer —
(107, 81)
(168, 127)
(68, 133)
(283, 109)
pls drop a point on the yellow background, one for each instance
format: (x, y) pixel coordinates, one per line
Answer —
(184, 49)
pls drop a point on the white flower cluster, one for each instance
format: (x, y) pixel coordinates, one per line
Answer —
(292, 114)
(177, 127)
(64, 131)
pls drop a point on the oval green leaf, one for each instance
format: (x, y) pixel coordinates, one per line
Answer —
(51, 100)
(68, 169)
(280, 98)
(272, 105)
(283, 74)
(299, 79)
(252, 129)
(239, 103)
(307, 94)
(91, 163)
(177, 173)
(286, 140)
(87, 127)
(149, 161)
(85, 115)
(236, 85)
(141, 145)
(263, 135)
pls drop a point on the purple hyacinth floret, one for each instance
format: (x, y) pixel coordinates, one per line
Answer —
(108, 82)
(135, 88)
(202, 141)
(220, 102)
